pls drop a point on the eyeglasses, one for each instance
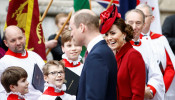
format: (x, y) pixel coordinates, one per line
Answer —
(55, 73)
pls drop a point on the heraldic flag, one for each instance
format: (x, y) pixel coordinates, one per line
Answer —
(25, 14)
(84, 4)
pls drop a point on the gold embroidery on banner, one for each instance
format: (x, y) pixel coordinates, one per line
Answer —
(38, 32)
(30, 49)
(21, 17)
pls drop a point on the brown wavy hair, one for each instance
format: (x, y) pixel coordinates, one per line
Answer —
(125, 28)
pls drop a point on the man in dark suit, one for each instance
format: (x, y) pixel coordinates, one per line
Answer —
(99, 75)
(168, 29)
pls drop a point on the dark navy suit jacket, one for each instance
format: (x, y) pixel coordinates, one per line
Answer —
(99, 75)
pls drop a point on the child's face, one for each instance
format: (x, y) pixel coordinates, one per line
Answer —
(61, 23)
(56, 76)
(72, 52)
(22, 86)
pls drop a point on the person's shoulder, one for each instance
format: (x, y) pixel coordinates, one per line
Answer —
(134, 56)
(46, 97)
(52, 36)
(133, 52)
(103, 50)
(34, 54)
(154, 35)
(6, 58)
(171, 17)
(102, 45)
(31, 52)
(67, 96)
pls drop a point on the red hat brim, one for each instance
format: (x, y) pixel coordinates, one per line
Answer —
(107, 18)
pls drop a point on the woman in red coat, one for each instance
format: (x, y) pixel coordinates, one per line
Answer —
(131, 68)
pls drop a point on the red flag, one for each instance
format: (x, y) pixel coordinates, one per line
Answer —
(25, 14)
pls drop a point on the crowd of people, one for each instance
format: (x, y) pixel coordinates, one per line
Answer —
(124, 60)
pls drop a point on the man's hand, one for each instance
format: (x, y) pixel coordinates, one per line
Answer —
(148, 94)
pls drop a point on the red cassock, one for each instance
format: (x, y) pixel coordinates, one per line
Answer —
(131, 74)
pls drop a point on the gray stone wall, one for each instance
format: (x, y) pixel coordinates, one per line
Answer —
(3, 13)
(166, 8)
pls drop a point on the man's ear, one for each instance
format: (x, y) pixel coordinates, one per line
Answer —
(152, 18)
(5, 42)
(82, 27)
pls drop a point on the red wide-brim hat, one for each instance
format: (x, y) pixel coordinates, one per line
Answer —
(107, 18)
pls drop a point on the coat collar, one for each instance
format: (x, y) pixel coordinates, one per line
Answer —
(123, 50)
(152, 35)
(51, 91)
(17, 55)
(132, 43)
(15, 96)
(70, 65)
(94, 42)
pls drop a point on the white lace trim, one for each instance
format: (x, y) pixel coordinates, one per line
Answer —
(20, 96)
(63, 88)
(70, 61)
(24, 53)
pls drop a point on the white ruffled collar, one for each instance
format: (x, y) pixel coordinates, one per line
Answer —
(70, 61)
(63, 88)
(20, 96)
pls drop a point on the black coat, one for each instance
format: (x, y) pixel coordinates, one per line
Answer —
(168, 29)
(57, 51)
